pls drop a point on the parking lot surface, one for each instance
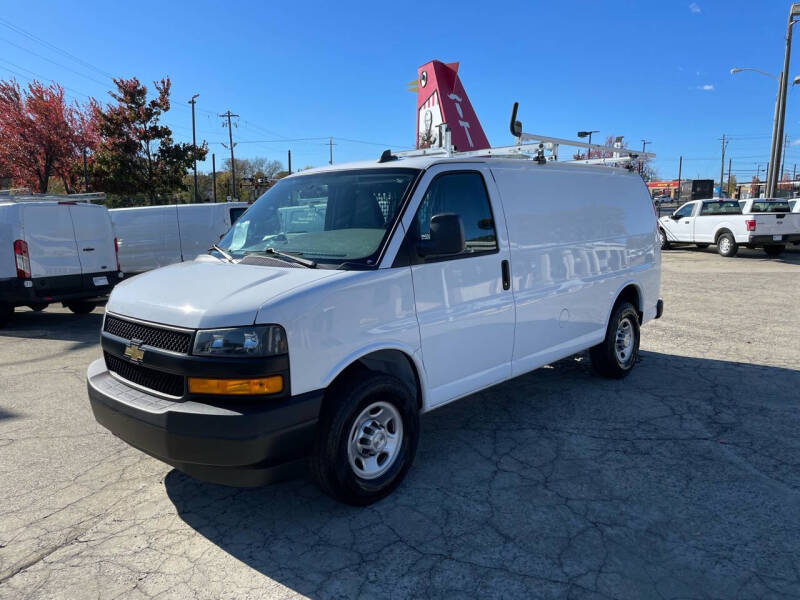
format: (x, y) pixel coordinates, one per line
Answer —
(681, 481)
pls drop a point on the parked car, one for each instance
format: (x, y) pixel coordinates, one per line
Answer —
(412, 283)
(157, 236)
(54, 251)
(755, 223)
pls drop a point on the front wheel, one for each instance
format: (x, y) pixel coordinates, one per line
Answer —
(662, 239)
(774, 249)
(727, 246)
(80, 307)
(366, 439)
(616, 355)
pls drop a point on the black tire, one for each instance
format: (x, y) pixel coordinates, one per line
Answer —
(727, 246)
(80, 307)
(38, 306)
(662, 238)
(330, 464)
(606, 361)
(6, 313)
(702, 246)
(774, 249)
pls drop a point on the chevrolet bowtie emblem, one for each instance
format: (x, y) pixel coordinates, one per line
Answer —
(134, 352)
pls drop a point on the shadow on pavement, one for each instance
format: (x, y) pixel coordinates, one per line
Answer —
(64, 326)
(681, 480)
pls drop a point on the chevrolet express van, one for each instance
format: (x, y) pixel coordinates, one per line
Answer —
(349, 300)
(55, 251)
(156, 236)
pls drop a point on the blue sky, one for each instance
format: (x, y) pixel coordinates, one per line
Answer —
(653, 70)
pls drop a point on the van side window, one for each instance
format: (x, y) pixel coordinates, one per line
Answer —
(464, 194)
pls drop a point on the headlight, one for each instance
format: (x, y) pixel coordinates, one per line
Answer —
(244, 342)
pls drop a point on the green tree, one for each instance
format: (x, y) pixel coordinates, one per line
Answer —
(136, 154)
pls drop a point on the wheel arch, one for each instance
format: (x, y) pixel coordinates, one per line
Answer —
(391, 360)
(722, 230)
(630, 292)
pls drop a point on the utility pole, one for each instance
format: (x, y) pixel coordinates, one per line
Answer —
(722, 166)
(214, 176)
(228, 115)
(729, 177)
(85, 177)
(330, 150)
(758, 172)
(783, 157)
(194, 147)
(680, 168)
(290, 161)
(641, 162)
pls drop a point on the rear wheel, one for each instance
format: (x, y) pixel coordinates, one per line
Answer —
(80, 307)
(6, 313)
(616, 355)
(366, 439)
(38, 306)
(727, 246)
(774, 249)
(662, 238)
(701, 246)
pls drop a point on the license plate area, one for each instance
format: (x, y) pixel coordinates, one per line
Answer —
(101, 281)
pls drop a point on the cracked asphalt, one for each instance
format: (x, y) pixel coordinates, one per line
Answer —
(681, 481)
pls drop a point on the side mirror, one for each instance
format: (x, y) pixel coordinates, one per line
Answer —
(447, 236)
(674, 217)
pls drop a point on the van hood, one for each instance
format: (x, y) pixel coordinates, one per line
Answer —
(207, 293)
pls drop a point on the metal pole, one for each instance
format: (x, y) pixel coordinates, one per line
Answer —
(722, 168)
(330, 150)
(85, 176)
(729, 176)
(290, 161)
(589, 149)
(769, 171)
(214, 176)
(776, 159)
(680, 168)
(783, 156)
(194, 147)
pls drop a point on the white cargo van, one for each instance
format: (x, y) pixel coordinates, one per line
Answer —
(54, 251)
(351, 299)
(156, 236)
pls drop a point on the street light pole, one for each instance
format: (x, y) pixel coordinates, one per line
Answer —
(641, 162)
(583, 134)
(794, 11)
(194, 147)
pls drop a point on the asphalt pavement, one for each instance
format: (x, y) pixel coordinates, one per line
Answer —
(681, 481)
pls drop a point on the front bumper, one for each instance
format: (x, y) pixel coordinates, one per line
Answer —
(239, 443)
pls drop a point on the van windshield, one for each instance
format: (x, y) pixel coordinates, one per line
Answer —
(331, 217)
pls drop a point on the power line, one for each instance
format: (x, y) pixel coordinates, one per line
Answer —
(58, 64)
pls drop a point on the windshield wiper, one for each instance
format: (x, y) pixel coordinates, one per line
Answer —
(225, 255)
(286, 256)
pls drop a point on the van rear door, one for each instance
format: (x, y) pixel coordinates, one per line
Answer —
(50, 237)
(95, 240)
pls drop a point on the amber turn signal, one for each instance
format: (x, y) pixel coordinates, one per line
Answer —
(236, 387)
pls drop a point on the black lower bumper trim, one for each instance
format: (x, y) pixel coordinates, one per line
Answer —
(768, 240)
(63, 288)
(238, 444)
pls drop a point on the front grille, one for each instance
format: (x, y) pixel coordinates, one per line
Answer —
(166, 383)
(166, 339)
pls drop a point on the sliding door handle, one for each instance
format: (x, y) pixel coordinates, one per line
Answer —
(506, 270)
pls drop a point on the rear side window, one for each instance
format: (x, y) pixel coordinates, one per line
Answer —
(465, 195)
(770, 207)
(724, 207)
(236, 213)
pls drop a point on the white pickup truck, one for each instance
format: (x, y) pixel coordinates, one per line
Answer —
(754, 223)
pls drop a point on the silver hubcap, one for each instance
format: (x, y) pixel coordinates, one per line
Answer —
(624, 341)
(375, 440)
(725, 245)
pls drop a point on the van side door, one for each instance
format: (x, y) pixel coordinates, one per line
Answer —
(464, 302)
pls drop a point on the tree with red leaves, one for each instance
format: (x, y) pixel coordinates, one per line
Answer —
(136, 154)
(41, 136)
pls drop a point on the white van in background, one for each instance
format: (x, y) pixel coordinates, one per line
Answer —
(156, 236)
(53, 251)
